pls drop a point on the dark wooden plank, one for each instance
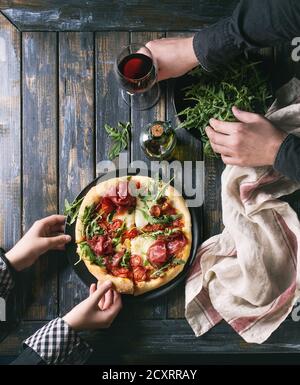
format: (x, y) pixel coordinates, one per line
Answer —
(139, 340)
(10, 129)
(76, 137)
(110, 107)
(157, 308)
(10, 144)
(115, 15)
(188, 148)
(39, 160)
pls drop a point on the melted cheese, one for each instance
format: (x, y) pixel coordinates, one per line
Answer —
(140, 220)
(129, 219)
(140, 245)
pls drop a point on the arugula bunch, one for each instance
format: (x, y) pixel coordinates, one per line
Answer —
(241, 84)
(119, 136)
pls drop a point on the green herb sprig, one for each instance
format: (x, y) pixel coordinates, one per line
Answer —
(241, 84)
(89, 254)
(161, 271)
(72, 209)
(164, 219)
(119, 136)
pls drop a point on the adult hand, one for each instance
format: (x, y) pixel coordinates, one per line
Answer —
(174, 56)
(45, 234)
(97, 311)
(253, 141)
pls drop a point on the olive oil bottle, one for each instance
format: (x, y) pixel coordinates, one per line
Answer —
(158, 140)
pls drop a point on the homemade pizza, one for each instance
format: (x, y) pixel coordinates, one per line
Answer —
(134, 231)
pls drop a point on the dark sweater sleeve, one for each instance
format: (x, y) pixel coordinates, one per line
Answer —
(288, 158)
(254, 24)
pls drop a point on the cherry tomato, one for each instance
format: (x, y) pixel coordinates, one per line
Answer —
(135, 260)
(116, 224)
(131, 233)
(140, 274)
(155, 211)
(121, 272)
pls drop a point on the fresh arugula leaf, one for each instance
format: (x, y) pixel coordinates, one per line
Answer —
(93, 229)
(178, 261)
(162, 189)
(110, 216)
(119, 136)
(125, 259)
(72, 209)
(88, 214)
(161, 271)
(89, 254)
(164, 219)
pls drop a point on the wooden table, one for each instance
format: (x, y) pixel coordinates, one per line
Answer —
(57, 92)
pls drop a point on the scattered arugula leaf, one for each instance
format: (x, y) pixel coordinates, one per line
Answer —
(72, 209)
(213, 95)
(88, 214)
(89, 254)
(162, 189)
(161, 271)
(178, 261)
(119, 136)
(110, 216)
(125, 259)
(164, 219)
(93, 229)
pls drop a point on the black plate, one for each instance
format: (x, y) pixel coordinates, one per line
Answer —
(83, 273)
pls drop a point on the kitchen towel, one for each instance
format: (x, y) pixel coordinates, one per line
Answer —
(249, 275)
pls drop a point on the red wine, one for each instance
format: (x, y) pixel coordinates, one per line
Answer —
(138, 72)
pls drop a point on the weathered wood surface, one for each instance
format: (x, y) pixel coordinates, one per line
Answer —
(40, 162)
(10, 134)
(110, 107)
(137, 340)
(69, 93)
(186, 145)
(115, 15)
(10, 144)
(76, 138)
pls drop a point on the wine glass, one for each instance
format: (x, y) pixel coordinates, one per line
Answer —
(136, 72)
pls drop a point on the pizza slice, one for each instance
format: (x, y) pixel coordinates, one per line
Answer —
(134, 231)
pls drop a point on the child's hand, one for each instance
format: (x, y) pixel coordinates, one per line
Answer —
(45, 234)
(97, 311)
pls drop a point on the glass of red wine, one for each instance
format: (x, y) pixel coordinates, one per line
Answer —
(136, 72)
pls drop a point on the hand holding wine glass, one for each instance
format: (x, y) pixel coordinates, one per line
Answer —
(136, 72)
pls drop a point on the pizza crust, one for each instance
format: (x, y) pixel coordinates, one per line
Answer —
(125, 285)
(122, 285)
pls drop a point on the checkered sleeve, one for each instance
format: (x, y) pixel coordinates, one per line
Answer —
(56, 343)
(6, 277)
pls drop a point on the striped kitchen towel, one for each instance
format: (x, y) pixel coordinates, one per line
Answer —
(250, 274)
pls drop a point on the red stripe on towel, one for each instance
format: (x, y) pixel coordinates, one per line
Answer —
(242, 324)
(289, 236)
(248, 188)
(204, 301)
